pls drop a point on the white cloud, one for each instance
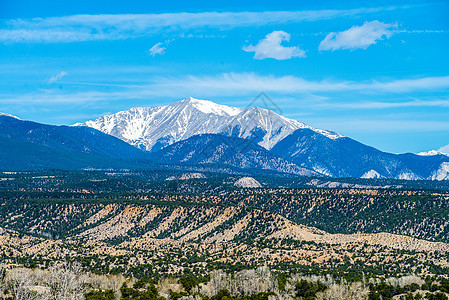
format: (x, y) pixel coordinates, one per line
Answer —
(248, 83)
(77, 28)
(386, 105)
(406, 85)
(270, 47)
(157, 49)
(237, 84)
(444, 149)
(57, 77)
(379, 125)
(357, 37)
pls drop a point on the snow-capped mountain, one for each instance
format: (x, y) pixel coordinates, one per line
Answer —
(152, 128)
(198, 132)
(296, 147)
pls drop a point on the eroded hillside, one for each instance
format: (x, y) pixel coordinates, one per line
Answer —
(173, 236)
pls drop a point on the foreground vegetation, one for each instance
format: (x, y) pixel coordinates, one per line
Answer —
(68, 281)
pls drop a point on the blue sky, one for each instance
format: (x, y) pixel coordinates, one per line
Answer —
(374, 71)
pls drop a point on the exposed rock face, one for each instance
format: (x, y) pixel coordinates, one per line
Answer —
(147, 226)
(247, 182)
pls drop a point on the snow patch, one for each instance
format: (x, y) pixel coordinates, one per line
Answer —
(329, 134)
(371, 174)
(408, 176)
(209, 107)
(322, 170)
(442, 173)
(432, 153)
(11, 116)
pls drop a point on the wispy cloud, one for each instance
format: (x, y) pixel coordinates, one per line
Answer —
(386, 105)
(238, 84)
(357, 37)
(57, 77)
(380, 125)
(444, 149)
(158, 48)
(247, 83)
(419, 31)
(270, 47)
(77, 28)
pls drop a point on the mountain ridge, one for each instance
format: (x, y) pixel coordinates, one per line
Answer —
(200, 133)
(346, 157)
(224, 150)
(152, 128)
(29, 145)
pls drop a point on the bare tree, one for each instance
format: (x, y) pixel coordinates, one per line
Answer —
(2, 280)
(20, 283)
(67, 282)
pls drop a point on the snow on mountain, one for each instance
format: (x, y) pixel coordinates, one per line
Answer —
(371, 174)
(442, 173)
(407, 175)
(152, 128)
(8, 115)
(433, 153)
(209, 107)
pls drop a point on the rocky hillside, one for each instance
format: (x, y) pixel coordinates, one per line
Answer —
(247, 182)
(170, 234)
(414, 213)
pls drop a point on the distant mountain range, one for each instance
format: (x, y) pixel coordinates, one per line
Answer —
(345, 157)
(194, 132)
(26, 145)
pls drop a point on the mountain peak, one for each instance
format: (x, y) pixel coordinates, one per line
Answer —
(153, 128)
(8, 115)
(209, 107)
